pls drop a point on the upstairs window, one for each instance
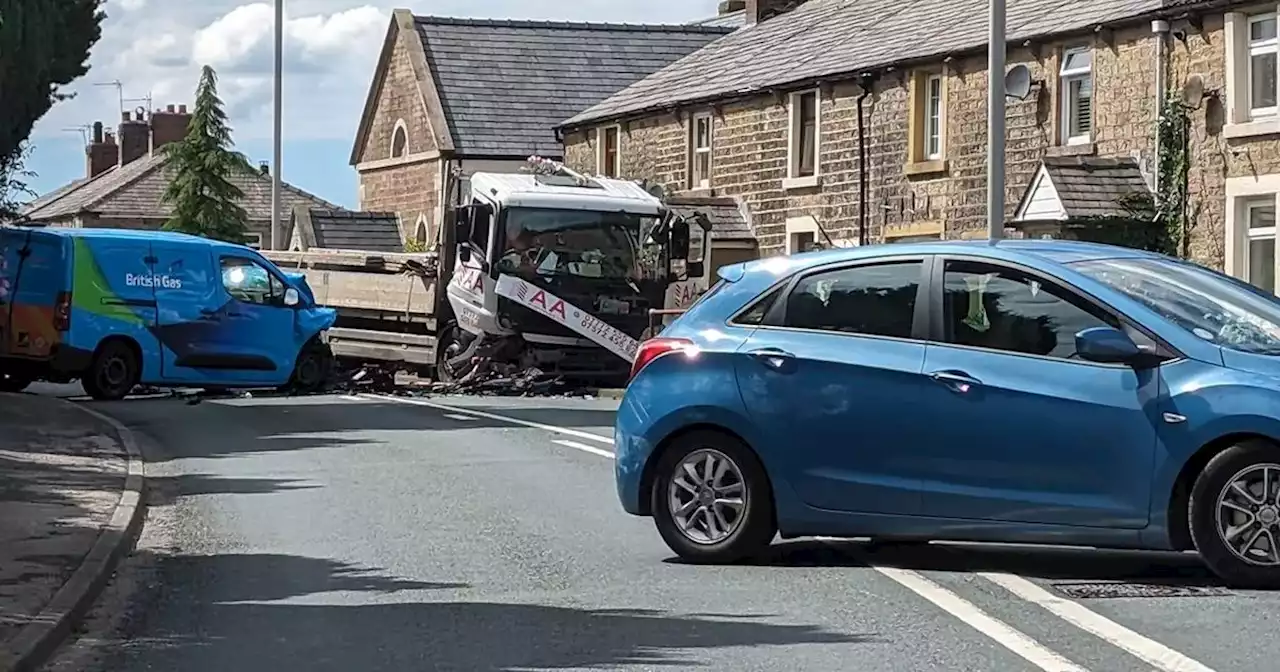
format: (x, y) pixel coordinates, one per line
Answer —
(609, 160)
(700, 147)
(399, 140)
(933, 118)
(802, 156)
(1262, 65)
(1077, 96)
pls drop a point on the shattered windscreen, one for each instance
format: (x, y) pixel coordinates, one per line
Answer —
(579, 243)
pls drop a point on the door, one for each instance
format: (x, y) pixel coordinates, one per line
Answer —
(1022, 430)
(188, 297)
(830, 378)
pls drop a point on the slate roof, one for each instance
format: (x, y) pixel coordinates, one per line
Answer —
(727, 215)
(350, 230)
(1094, 186)
(829, 38)
(506, 84)
(136, 190)
(736, 19)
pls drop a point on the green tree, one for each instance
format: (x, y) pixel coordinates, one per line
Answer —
(205, 200)
(44, 45)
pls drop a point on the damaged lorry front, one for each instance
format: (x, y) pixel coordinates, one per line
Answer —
(600, 247)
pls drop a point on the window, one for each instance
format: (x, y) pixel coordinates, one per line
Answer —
(1260, 257)
(399, 140)
(803, 152)
(245, 280)
(700, 175)
(608, 158)
(1077, 96)
(1262, 65)
(803, 241)
(755, 314)
(878, 300)
(253, 239)
(996, 308)
(933, 118)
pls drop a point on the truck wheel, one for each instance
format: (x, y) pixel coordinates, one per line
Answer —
(114, 372)
(449, 345)
(14, 382)
(311, 371)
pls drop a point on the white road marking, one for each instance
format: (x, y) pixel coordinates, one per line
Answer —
(583, 447)
(493, 416)
(1149, 651)
(459, 416)
(1029, 649)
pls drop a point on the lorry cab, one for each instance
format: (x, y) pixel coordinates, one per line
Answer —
(606, 246)
(117, 308)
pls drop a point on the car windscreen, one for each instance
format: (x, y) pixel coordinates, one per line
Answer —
(1212, 306)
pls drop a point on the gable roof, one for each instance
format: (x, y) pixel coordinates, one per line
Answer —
(824, 39)
(504, 85)
(1073, 187)
(136, 190)
(729, 217)
(345, 230)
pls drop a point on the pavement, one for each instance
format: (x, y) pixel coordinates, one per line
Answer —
(484, 534)
(68, 504)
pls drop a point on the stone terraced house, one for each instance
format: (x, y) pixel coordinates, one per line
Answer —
(450, 97)
(771, 115)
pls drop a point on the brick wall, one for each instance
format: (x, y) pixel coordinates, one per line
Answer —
(750, 144)
(408, 188)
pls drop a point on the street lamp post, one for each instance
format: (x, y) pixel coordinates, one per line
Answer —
(277, 113)
(995, 121)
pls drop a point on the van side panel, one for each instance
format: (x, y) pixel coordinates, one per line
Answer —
(33, 272)
(113, 295)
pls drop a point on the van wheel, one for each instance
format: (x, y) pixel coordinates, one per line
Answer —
(114, 372)
(311, 371)
(14, 382)
(711, 500)
(1234, 515)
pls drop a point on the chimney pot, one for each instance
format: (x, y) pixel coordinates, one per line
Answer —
(182, 109)
(97, 132)
(126, 116)
(265, 168)
(169, 109)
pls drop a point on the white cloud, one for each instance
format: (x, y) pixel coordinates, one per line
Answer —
(331, 48)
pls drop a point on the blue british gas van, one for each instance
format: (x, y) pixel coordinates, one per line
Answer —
(116, 308)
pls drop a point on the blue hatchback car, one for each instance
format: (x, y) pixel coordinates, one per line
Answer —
(1024, 391)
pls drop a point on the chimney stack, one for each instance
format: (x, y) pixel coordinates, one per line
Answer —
(763, 10)
(731, 6)
(264, 167)
(135, 140)
(102, 153)
(168, 125)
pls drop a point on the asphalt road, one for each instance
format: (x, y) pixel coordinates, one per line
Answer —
(345, 533)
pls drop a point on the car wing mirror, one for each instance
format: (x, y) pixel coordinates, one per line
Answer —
(1107, 345)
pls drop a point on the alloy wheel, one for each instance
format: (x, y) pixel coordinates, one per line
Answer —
(707, 496)
(1248, 515)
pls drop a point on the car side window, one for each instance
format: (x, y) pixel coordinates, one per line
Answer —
(754, 316)
(875, 300)
(1000, 308)
(247, 281)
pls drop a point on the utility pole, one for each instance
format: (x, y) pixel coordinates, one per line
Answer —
(995, 121)
(276, 122)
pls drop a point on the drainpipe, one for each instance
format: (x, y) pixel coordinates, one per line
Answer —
(1161, 30)
(866, 81)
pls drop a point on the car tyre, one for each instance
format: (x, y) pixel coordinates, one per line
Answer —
(750, 529)
(113, 373)
(1227, 494)
(14, 382)
(312, 369)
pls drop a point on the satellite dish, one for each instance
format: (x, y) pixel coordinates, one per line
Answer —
(1193, 91)
(1017, 82)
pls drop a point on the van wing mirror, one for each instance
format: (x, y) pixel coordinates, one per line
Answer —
(291, 297)
(679, 239)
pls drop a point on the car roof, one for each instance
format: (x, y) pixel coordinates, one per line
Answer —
(1055, 252)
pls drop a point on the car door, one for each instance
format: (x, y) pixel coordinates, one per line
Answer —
(1021, 429)
(830, 378)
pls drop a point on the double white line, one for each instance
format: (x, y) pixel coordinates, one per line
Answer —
(1151, 652)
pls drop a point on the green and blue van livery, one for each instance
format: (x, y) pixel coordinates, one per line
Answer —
(116, 308)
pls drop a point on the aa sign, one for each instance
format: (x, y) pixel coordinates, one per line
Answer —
(571, 316)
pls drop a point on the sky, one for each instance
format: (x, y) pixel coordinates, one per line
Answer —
(156, 48)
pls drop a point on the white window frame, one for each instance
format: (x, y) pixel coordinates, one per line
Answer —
(1267, 233)
(794, 180)
(400, 127)
(1066, 78)
(700, 181)
(601, 134)
(933, 117)
(1256, 48)
(255, 239)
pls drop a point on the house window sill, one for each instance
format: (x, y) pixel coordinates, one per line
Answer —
(1250, 129)
(1079, 149)
(931, 167)
(698, 192)
(809, 182)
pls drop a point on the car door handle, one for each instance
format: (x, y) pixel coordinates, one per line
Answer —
(957, 381)
(774, 358)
